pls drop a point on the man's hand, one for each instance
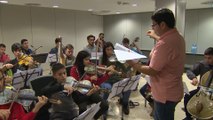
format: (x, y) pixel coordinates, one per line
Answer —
(68, 88)
(93, 90)
(41, 102)
(112, 70)
(94, 77)
(152, 34)
(8, 66)
(4, 114)
(194, 81)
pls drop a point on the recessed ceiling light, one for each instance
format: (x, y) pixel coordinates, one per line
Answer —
(134, 5)
(3, 1)
(90, 9)
(118, 12)
(55, 6)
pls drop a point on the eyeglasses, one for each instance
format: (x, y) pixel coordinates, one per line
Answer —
(153, 25)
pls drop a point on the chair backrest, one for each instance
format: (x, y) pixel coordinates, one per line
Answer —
(68, 69)
(40, 82)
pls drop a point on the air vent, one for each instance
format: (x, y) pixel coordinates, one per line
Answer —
(33, 4)
(207, 3)
(122, 3)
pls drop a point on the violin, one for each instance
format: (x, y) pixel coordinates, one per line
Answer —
(82, 86)
(91, 69)
(24, 60)
(24, 97)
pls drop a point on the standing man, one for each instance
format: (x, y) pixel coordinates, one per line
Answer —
(100, 42)
(91, 46)
(55, 49)
(25, 47)
(166, 65)
(3, 57)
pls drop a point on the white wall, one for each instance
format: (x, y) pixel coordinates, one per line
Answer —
(198, 29)
(42, 25)
(128, 25)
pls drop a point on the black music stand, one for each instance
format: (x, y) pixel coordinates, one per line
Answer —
(40, 82)
(41, 58)
(89, 113)
(21, 79)
(123, 86)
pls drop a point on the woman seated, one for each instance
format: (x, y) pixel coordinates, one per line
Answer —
(78, 72)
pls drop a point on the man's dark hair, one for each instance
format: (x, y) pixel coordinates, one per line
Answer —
(125, 40)
(2, 45)
(164, 15)
(101, 34)
(209, 51)
(15, 47)
(69, 46)
(90, 36)
(23, 40)
(57, 40)
(56, 67)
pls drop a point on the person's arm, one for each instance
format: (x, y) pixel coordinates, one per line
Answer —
(143, 68)
(159, 60)
(31, 115)
(4, 114)
(101, 79)
(194, 72)
(153, 35)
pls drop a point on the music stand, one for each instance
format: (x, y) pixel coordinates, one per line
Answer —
(89, 113)
(124, 85)
(52, 58)
(21, 79)
(41, 58)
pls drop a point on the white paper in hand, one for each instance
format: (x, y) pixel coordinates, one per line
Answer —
(122, 53)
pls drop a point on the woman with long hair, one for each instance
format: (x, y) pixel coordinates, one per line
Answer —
(78, 72)
(107, 53)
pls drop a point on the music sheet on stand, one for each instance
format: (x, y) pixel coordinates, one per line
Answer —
(89, 113)
(20, 77)
(124, 85)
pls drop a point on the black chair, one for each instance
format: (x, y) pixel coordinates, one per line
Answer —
(68, 69)
(40, 82)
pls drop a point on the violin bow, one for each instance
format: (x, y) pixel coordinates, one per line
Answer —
(15, 98)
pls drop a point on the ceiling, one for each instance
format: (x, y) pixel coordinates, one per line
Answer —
(106, 7)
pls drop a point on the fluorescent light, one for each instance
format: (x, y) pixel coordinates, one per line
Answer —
(55, 6)
(118, 12)
(90, 9)
(134, 5)
(3, 1)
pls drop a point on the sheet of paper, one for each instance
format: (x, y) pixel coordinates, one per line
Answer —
(186, 90)
(89, 113)
(51, 58)
(122, 53)
(124, 85)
